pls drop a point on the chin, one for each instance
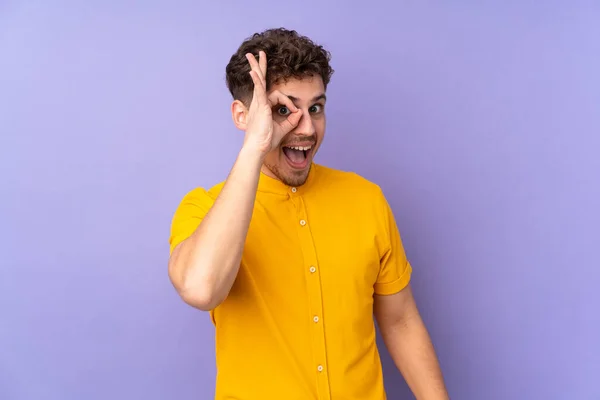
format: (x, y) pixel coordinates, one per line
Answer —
(288, 175)
(295, 178)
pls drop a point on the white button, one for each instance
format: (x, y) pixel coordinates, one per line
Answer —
(302, 222)
(294, 190)
(316, 318)
(312, 270)
(320, 368)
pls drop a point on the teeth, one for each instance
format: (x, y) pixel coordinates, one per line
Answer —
(303, 148)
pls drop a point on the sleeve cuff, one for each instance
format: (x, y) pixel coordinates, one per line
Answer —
(394, 287)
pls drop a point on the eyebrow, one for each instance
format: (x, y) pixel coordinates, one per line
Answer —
(316, 98)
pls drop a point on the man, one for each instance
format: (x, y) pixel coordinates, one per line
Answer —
(291, 258)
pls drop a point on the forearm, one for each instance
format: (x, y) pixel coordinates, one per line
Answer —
(204, 268)
(411, 349)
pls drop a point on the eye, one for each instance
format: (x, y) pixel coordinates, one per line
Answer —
(283, 110)
(317, 108)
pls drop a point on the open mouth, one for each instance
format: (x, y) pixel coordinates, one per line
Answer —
(297, 156)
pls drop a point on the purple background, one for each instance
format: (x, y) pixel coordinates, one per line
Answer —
(480, 120)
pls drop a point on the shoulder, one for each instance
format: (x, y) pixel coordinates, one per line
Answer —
(214, 191)
(201, 197)
(349, 193)
(349, 183)
(205, 192)
(353, 193)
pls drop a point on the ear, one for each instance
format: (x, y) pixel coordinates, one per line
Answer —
(239, 114)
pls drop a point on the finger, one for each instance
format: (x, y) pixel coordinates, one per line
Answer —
(260, 93)
(276, 97)
(292, 120)
(289, 123)
(254, 66)
(262, 63)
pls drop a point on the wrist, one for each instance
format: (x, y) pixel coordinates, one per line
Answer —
(252, 152)
(251, 155)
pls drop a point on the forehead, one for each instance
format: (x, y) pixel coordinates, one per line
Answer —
(304, 89)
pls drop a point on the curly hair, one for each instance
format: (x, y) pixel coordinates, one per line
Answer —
(289, 55)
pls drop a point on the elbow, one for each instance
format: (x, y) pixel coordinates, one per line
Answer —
(199, 290)
(200, 297)
(198, 293)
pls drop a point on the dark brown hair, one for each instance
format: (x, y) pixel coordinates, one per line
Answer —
(289, 55)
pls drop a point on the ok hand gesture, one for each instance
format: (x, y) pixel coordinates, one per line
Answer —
(262, 131)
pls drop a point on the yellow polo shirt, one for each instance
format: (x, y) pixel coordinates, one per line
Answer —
(298, 322)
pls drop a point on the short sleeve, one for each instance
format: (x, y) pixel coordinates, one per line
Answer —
(395, 270)
(190, 212)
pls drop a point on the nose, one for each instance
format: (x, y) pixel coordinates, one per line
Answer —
(305, 125)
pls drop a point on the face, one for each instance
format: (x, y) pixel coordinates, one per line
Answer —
(290, 162)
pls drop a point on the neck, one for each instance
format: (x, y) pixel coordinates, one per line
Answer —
(267, 171)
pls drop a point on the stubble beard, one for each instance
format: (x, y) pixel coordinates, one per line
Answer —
(294, 179)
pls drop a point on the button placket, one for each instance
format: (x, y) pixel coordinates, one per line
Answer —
(313, 281)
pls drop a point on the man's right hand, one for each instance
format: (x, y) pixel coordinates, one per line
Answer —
(263, 133)
(204, 266)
